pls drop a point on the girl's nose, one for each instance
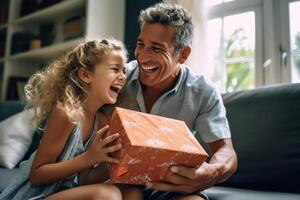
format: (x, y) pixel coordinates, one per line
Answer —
(122, 76)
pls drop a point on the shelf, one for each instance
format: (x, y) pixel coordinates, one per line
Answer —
(51, 13)
(47, 53)
(99, 18)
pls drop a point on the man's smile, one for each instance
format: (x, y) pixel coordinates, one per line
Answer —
(149, 68)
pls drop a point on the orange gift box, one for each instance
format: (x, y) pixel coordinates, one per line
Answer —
(150, 145)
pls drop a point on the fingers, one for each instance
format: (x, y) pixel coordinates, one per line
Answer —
(111, 160)
(187, 172)
(178, 180)
(110, 139)
(108, 181)
(101, 132)
(112, 148)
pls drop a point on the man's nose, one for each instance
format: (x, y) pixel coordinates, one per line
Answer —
(143, 56)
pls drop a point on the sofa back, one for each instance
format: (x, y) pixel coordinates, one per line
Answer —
(9, 108)
(265, 128)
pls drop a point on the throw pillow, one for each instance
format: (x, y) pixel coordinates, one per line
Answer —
(16, 134)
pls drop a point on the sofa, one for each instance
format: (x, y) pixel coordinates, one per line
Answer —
(265, 126)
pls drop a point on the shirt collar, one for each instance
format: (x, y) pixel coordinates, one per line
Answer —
(180, 78)
(132, 68)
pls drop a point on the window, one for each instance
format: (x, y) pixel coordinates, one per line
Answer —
(294, 8)
(233, 51)
(216, 2)
(232, 46)
(249, 43)
(290, 40)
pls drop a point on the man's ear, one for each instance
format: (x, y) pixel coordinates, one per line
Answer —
(84, 75)
(183, 56)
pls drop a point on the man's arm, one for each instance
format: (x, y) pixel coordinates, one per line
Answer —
(221, 166)
(223, 154)
(223, 161)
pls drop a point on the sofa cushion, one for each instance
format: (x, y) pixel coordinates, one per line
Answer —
(225, 193)
(16, 134)
(9, 108)
(265, 127)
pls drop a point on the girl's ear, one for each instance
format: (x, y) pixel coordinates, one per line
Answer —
(85, 75)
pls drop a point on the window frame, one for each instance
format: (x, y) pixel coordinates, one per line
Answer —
(285, 41)
(241, 6)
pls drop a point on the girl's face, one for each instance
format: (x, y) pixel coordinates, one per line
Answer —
(108, 78)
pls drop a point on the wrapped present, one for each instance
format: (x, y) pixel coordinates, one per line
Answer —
(150, 146)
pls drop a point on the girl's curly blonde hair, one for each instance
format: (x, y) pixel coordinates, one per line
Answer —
(59, 83)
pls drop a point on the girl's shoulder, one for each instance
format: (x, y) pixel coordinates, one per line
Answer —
(59, 120)
(61, 114)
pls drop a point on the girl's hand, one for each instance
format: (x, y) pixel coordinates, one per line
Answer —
(97, 152)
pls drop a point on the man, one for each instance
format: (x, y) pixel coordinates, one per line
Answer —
(158, 83)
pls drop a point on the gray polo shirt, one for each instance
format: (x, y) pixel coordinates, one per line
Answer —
(191, 99)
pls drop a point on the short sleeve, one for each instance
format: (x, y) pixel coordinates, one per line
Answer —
(211, 122)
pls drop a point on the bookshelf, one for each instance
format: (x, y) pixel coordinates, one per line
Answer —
(30, 41)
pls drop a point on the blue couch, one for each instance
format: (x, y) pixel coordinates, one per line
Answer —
(265, 126)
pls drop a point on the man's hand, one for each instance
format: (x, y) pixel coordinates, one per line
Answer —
(221, 166)
(188, 180)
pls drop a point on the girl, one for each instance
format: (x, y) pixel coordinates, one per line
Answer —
(69, 92)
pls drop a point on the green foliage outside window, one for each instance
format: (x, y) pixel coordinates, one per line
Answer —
(296, 53)
(240, 75)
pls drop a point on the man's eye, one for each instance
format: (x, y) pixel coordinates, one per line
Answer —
(156, 49)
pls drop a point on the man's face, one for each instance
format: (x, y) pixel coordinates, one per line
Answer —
(155, 54)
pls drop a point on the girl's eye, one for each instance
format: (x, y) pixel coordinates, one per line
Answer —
(140, 44)
(115, 69)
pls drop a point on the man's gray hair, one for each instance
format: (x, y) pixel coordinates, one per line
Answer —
(171, 15)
